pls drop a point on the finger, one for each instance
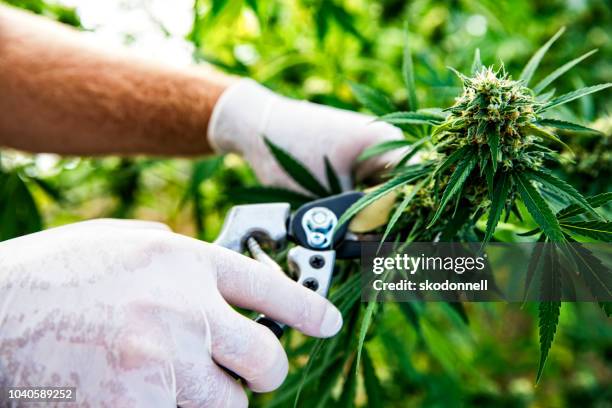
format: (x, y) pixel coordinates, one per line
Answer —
(250, 284)
(128, 224)
(198, 381)
(247, 349)
(207, 385)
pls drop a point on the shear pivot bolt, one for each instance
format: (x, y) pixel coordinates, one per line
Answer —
(318, 224)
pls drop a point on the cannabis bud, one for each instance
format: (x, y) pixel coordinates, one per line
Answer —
(496, 114)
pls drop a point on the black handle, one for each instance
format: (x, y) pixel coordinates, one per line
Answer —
(274, 328)
(272, 325)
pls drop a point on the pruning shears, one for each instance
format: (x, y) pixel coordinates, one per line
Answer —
(313, 229)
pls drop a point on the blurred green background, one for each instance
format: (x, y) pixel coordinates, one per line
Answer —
(415, 355)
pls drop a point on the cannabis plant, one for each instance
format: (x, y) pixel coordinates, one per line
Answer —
(482, 158)
(489, 155)
(589, 162)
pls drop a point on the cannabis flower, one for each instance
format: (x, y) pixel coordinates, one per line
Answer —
(496, 114)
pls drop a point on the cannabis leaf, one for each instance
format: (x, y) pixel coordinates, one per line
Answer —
(498, 203)
(408, 73)
(411, 118)
(561, 187)
(548, 318)
(561, 124)
(573, 210)
(332, 177)
(373, 99)
(296, 170)
(560, 71)
(463, 170)
(598, 230)
(570, 96)
(537, 207)
(535, 60)
(383, 147)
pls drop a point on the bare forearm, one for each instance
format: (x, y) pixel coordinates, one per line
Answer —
(59, 93)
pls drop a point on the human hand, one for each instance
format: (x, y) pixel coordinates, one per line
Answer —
(247, 112)
(132, 314)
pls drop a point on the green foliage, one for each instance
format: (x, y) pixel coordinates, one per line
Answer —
(296, 170)
(534, 62)
(495, 127)
(421, 355)
(549, 318)
(372, 99)
(498, 203)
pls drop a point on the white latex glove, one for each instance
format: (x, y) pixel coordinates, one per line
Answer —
(133, 315)
(246, 112)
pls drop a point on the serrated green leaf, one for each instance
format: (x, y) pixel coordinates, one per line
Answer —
(476, 63)
(561, 187)
(537, 207)
(376, 194)
(332, 178)
(568, 97)
(408, 73)
(599, 230)
(561, 124)
(382, 148)
(410, 118)
(549, 319)
(498, 203)
(453, 158)
(596, 275)
(549, 309)
(541, 132)
(460, 175)
(372, 99)
(535, 60)
(489, 174)
(296, 170)
(560, 71)
(493, 142)
(534, 263)
(596, 201)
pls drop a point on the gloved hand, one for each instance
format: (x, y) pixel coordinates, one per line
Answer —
(133, 315)
(246, 112)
